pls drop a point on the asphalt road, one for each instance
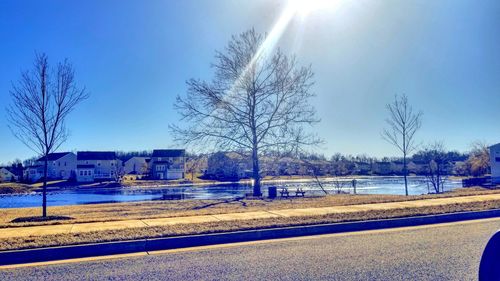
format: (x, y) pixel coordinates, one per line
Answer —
(439, 252)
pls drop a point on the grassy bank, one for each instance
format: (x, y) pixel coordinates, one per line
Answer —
(224, 226)
(13, 187)
(179, 208)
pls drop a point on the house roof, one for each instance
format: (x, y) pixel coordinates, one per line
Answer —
(53, 156)
(495, 145)
(96, 155)
(4, 168)
(169, 153)
(145, 159)
(85, 166)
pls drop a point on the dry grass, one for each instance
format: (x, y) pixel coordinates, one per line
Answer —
(202, 228)
(164, 209)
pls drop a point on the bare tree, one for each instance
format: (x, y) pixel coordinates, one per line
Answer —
(478, 162)
(339, 169)
(41, 100)
(257, 102)
(314, 169)
(402, 124)
(437, 160)
(195, 163)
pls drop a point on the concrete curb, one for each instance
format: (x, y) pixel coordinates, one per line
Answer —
(145, 245)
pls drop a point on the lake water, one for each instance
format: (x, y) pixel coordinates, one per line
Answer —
(77, 196)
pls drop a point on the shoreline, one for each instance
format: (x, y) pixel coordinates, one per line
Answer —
(33, 189)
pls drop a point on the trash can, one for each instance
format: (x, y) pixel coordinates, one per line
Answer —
(273, 192)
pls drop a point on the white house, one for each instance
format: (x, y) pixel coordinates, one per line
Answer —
(136, 167)
(61, 165)
(495, 163)
(7, 176)
(97, 166)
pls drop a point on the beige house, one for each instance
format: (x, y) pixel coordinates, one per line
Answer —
(97, 166)
(61, 165)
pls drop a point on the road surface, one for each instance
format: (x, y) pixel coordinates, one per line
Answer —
(437, 252)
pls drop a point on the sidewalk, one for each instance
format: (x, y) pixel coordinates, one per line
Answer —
(117, 225)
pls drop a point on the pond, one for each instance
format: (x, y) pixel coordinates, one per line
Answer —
(77, 196)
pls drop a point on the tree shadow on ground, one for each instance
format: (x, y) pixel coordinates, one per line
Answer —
(238, 200)
(41, 219)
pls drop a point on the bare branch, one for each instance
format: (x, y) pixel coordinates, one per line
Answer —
(254, 104)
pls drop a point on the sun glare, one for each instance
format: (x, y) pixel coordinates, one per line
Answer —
(305, 7)
(294, 8)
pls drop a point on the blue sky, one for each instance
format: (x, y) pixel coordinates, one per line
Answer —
(135, 56)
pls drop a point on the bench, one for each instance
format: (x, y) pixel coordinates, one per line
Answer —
(284, 192)
(300, 191)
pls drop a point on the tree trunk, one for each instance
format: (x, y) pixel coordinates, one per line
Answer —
(405, 173)
(44, 192)
(256, 173)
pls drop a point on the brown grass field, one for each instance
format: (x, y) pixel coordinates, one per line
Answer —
(203, 228)
(163, 209)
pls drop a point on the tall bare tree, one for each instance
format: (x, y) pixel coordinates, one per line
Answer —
(402, 125)
(258, 101)
(41, 100)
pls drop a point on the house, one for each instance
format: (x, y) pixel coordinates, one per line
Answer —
(136, 167)
(6, 175)
(97, 166)
(61, 165)
(495, 163)
(168, 164)
(228, 166)
(18, 170)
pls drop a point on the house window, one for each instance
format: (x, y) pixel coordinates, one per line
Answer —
(65, 164)
(81, 173)
(497, 159)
